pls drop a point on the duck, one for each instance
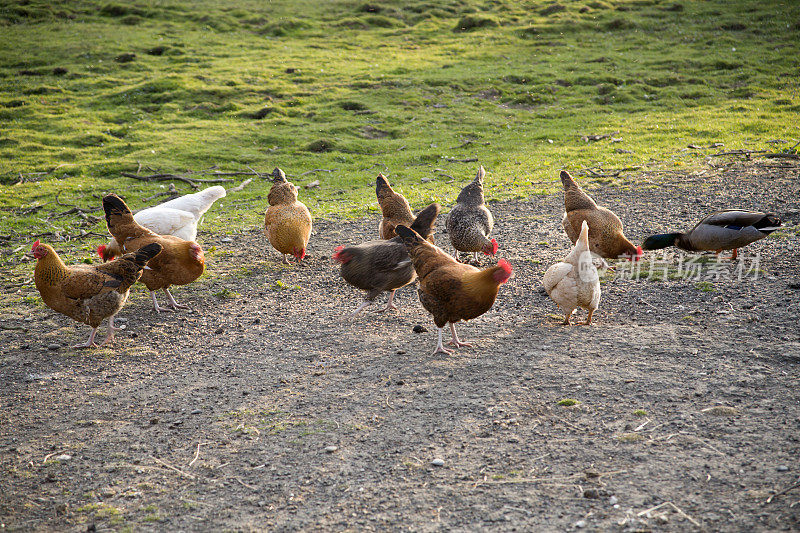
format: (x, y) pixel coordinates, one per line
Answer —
(606, 236)
(729, 229)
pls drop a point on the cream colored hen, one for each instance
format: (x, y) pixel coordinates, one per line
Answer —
(574, 282)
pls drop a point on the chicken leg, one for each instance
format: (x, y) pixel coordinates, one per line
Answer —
(440, 347)
(172, 303)
(589, 318)
(389, 304)
(111, 329)
(361, 307)
(157, 308)
(455, 341)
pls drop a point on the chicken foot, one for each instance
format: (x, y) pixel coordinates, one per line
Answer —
(455, 340)
(89, 343)
(389, 304)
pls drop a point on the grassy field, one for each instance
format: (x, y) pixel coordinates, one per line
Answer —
(92, 89)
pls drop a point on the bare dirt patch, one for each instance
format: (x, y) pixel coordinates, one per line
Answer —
(267, 407)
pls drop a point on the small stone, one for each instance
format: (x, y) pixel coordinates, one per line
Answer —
(694, 147)
(613, 500)
(226, 239)
(420, 329)
(291, 70)
(313, 184)
(67, 457)
(782, 468)
(401, 352)
(438, 462)
(197, 412)
(219, 330)
(580, 524)
(53, 346)
(331, 448)
(154, 421)
(426, 180)
(592, 494)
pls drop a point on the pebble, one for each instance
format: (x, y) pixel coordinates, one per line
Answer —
(64, 457)
(783, 468)
(53, 346)
(219, 330)
(580, 524)
(197, 411)
(420, 329)
(591, 494)
(226, 239)
(331, 448)
(613, 500)
(437, 462)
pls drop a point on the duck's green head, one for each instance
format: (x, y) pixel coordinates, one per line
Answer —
(656, 242)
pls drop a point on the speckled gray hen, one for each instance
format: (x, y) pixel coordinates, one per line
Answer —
(470, 222)
(383, 265)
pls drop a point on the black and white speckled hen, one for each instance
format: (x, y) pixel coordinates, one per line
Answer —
(470, 222)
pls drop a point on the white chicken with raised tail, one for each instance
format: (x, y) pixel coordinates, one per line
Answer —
(178, 217)
(574, 282)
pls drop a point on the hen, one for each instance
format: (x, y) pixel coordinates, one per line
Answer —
(287, 222)
(724, 230)
(383, 265)
(89, 293)
(574, 282)
(178, 217)
(449, 290)
(180, 262)
(606, 237)
(394, 207)
(470, 222)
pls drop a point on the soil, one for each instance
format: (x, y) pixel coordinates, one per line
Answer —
(267, 407)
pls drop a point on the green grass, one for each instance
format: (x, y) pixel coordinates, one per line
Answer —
(568, 402)
(359, 88)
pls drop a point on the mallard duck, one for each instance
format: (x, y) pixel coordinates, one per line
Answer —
(724, 230)
(470, 222)
(606, 237)
(574, 282)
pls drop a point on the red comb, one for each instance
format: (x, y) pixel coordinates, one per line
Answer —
(101, 250)
(502, 275)
(639, 253)
(494, 250)
(35, 245)
(505, 265)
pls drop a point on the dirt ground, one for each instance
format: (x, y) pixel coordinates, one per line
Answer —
(267, 407)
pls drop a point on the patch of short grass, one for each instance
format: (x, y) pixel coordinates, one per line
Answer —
(568, 402)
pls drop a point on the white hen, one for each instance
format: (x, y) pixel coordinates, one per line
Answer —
(574, 282)
(178, 217)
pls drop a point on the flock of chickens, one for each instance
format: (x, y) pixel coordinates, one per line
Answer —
(156, 246)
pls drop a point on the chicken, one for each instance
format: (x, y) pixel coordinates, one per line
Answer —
(287, 222)
(449, 290)
(574, 282)
(606, 238)
(730, 229)
(178, 217)
(394, 207)
(89, 293)
(383, 265)
(180, 263)
(470, 222)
